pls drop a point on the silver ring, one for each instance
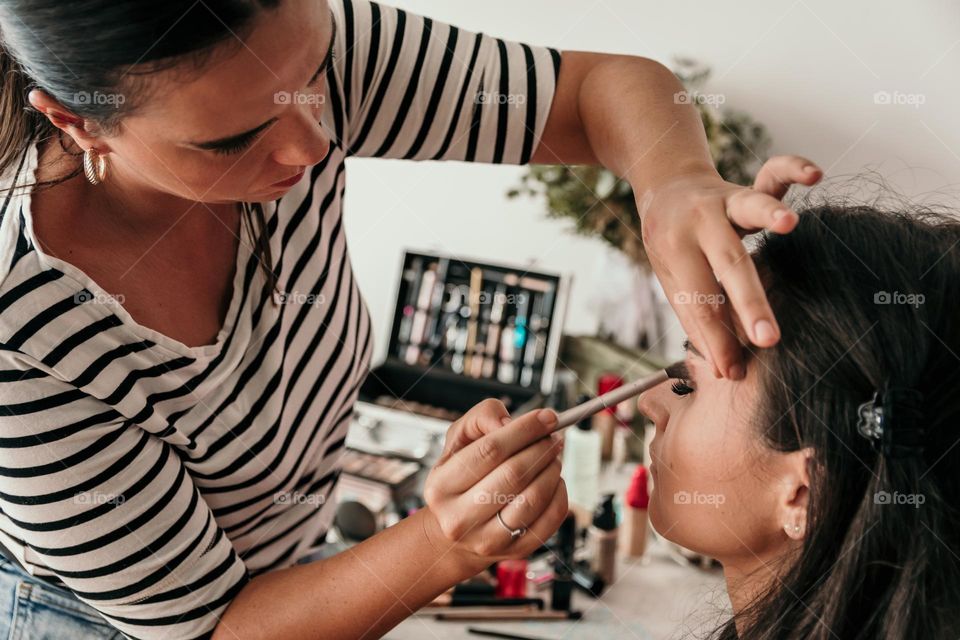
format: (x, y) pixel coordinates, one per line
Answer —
(514, 533)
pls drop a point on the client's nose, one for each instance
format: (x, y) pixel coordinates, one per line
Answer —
(649, 405)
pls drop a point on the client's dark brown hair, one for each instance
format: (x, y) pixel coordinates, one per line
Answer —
(866, 299)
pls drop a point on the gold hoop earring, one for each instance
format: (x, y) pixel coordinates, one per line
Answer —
(94, 166)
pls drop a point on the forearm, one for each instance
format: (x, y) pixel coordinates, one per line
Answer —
(360, 593)
(637, 127)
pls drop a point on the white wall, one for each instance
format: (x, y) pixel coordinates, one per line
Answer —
(808, 69)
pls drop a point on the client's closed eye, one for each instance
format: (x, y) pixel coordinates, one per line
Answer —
(681, 387)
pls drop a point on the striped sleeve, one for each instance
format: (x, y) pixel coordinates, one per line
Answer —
(414, 88)
(108, 509)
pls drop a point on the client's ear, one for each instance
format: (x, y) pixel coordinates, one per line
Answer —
(794, 492)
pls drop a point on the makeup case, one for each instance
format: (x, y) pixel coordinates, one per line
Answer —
(463, 331)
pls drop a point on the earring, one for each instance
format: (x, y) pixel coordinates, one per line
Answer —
(795, 528)
(94, 166)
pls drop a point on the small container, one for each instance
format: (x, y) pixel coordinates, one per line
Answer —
(605, 422)
(636, 520)
(602, 540)
(512, 579)
(581, 467)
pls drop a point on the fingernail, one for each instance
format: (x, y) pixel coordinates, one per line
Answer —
(735, 372)
(811, 168)
(505, 420)
(547, 417)
(780, 213)
(763, 331)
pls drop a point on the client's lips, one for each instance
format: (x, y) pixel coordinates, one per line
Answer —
(289, 182)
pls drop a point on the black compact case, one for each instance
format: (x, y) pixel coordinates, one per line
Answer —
(464, 331)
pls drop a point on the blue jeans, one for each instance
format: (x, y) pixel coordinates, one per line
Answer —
(31, 609)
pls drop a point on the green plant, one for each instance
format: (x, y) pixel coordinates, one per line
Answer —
(601, 204)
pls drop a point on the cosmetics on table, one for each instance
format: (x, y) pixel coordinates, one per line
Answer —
(512, 578)
(581, 466)
(635, 516)
(562, 587)
(605, 422)
(602, 540)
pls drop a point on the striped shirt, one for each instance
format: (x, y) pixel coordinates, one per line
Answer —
(154, 479)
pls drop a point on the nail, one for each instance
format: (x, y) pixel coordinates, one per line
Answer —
(763, 332)
(547, 417)
(811, 168)
(781, 213)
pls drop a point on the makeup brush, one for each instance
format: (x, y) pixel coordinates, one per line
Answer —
(618, 395)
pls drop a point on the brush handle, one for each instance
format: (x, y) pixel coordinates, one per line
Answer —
(609, 399)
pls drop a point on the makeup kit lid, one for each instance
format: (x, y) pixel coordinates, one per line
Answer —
(465, 330)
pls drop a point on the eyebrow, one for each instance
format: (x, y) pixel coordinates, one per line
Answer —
(240, 137)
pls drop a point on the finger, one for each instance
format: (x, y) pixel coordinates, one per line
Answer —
(699, 304)
(547, 524)
(483, 455)
(479, 421)
(679, 299)
(779, 172)
(507, 482)
(534, 500)
(736, 271)
(752, 210)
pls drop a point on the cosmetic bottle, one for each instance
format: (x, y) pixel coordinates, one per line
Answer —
(635, 517)
(602, 540)
(605, 422)
(581, 466)
(562, 585)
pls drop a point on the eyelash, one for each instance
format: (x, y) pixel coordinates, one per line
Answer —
(681, 387)
(240, 145)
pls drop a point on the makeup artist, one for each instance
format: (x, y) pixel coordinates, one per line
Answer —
(182, 335)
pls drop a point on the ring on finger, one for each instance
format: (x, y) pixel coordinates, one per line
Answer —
(514, 533)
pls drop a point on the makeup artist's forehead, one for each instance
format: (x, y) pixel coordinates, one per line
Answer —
(235, 91)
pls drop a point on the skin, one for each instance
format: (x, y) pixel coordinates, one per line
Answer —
(718, 489)
(137, 236)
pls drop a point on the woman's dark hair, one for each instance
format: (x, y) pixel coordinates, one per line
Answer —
(867, 299)
(81, 51)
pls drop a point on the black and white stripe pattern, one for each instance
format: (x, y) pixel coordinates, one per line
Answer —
(154, 479)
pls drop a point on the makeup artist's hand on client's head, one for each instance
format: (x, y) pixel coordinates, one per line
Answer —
(692, 230)
(492, 463)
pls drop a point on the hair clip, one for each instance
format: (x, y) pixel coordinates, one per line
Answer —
(892, 422)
